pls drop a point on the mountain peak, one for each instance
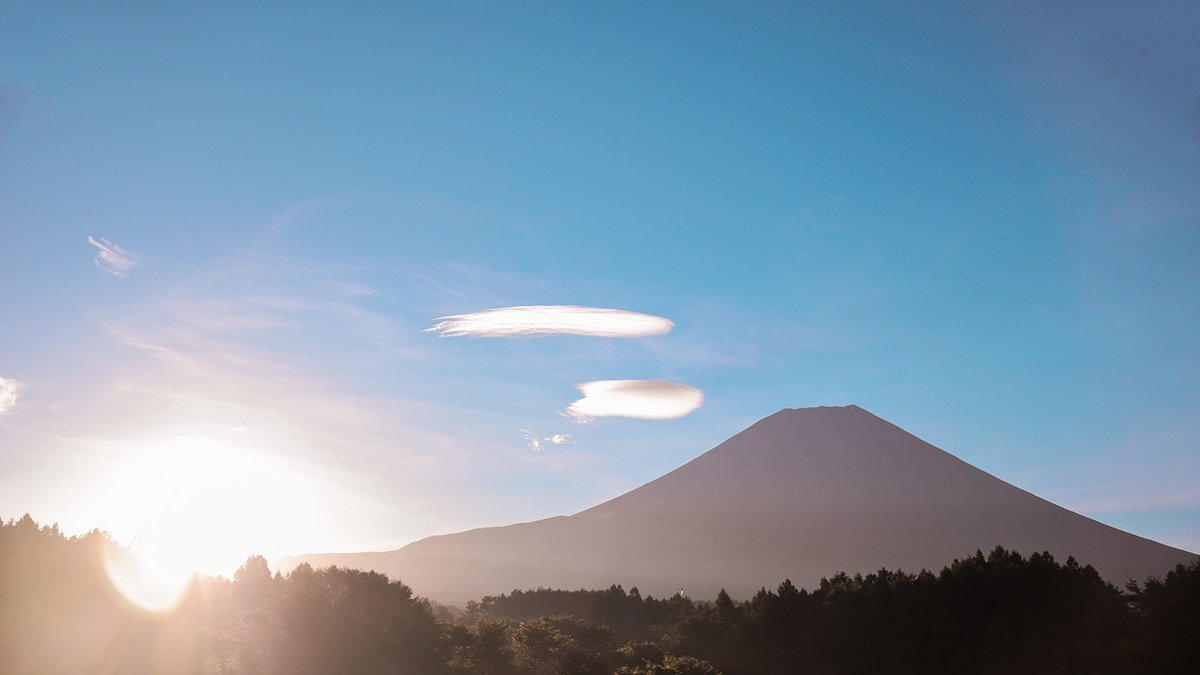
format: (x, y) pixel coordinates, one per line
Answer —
(818, 414)
(800, 494)
(816, 409)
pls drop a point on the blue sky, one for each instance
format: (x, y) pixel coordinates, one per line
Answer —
(979, 223)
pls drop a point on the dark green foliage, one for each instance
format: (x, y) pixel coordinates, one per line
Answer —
(627, 613)
(673, 665)
(483, 648)
(1169, 626)
(1033, 615)
(635, 655)
(553, 646)
(998, 613)
(994, 613)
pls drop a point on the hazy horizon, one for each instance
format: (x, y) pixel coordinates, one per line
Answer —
(337, 278)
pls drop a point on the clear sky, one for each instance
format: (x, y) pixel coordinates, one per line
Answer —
(226, 228)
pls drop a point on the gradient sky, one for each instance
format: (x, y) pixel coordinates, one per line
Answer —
(226, 228)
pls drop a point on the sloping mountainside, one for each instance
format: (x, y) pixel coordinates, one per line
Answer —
(801, 494)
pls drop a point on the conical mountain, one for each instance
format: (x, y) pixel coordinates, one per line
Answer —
(801, 494)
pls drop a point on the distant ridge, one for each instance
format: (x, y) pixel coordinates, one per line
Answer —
(800, 494)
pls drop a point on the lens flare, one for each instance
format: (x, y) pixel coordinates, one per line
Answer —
(146, 581)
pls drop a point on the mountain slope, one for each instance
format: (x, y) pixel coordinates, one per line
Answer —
(800, 494)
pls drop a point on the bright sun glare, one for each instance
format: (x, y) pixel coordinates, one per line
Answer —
(196, 505)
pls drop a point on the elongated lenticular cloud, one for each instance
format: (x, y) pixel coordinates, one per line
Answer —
(112, 258)
(8, 394)
(534, 320)
(641, 399)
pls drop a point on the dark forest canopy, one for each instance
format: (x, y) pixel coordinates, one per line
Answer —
(999, 612)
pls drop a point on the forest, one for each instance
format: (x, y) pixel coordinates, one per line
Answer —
(995, 612)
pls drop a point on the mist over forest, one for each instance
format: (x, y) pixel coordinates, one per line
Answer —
(995, 612)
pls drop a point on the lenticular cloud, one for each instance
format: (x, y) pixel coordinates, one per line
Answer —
(641, 399)
(535, 320)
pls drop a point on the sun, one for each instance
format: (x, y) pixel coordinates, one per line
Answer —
(197, 505)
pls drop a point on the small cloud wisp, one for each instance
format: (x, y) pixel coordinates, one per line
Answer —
(8, 394)
(112, 258)
(639, 399)
(535, 320)
(536, 443)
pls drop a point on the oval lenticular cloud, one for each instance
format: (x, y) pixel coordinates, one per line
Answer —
(641, 399)
(532, 320)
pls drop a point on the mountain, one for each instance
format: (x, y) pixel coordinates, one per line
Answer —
(801, 494)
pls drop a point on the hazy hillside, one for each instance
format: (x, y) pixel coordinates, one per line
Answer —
(996, 613)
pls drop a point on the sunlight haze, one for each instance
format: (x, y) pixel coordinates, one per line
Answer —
(332, 278)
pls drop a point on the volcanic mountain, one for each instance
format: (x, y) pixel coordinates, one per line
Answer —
(801, 494)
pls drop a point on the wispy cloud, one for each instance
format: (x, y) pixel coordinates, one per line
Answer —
(8, 394)
(216, 365)
(112, 258)
(640, 399)
(532, 440)
(536, 443)
(534, 320)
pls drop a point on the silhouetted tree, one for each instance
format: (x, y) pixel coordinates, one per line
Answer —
(333, 620)
(482, 648)
(639, 654)
(539, 647)
(1169, 610)
(252, 583)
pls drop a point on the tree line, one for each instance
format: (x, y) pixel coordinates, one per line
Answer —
(999, 612)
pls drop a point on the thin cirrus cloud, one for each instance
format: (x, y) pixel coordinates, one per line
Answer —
(8, 394)
(112, 258)
(536, 443)
(533, 320)
(639, 399)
